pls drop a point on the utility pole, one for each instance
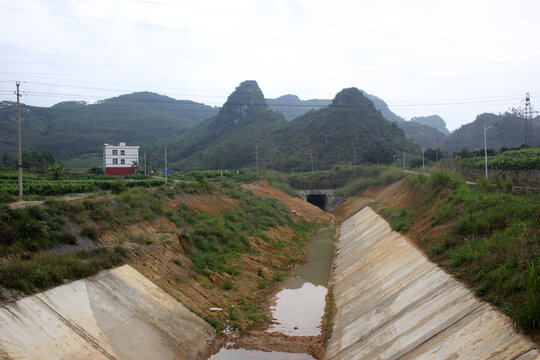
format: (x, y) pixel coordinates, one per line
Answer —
(436, 150)
(528, 112)
(395, 155)
(354, 155)
(485, 145)
(145, 163)
(311, 160)
(423, 171)
(165, 164)
(404, 160)
(19, 148)
(485, 150)
(257, 157)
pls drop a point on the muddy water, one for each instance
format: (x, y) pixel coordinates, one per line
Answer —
(241, 354)
(300, 305)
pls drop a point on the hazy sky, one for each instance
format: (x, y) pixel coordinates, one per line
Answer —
(455, 58)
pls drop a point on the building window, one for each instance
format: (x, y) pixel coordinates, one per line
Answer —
(115, 161)
(123, 161)
(122, 152)
(115, 152)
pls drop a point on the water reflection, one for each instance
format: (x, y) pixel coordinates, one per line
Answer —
(300, 305)
(241, 354)
(299, 309)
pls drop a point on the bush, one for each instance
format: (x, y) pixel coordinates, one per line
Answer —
(527, 315)
(443, 179)
(90, 232)
(400, 219)
(47, 270)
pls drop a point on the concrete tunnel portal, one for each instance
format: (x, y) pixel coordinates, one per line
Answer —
(320, 200)
(325, 199)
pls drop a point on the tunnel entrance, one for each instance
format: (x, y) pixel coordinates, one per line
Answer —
(319, 200)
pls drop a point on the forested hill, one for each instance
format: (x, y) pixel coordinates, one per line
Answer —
(504, 130)
(349, 130)
(434, 121)
(291, 106)
(71, 128)
(228, 140)
(424, 135)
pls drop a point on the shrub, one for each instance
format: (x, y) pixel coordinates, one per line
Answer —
(527, 315)
(442, 179)
(228, 284)
(90, 232)
(47, 270)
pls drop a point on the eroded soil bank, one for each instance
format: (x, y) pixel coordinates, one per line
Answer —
(234, 298)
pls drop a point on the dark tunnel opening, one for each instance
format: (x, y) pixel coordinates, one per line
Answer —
(318, 200)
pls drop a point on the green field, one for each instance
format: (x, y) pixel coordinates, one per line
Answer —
(524, 159)
(83, 163)
(40, 185)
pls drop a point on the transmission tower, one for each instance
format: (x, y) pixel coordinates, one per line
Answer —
(527, 112)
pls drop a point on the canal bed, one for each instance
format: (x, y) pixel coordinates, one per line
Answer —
(299, 306)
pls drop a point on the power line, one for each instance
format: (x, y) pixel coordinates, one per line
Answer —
(221, 33)
(336, 26)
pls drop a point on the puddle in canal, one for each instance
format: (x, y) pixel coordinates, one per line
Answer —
(241, 354)
(300, 305)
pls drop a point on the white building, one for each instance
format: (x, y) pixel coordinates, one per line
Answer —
(120, 159)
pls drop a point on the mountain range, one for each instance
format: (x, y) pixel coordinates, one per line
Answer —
(246, 131)
(69, 129)
(283, 133)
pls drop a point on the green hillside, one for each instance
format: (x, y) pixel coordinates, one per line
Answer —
(70, 129)
(228, 140)
(349, 130)
(424, 135)
(504, 130)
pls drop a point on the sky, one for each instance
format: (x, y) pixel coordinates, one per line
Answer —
(456, 59)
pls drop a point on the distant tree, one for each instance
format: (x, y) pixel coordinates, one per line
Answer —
(37, 161)
(95, 171)
(465, 153)
(433, 154)
(57, 172)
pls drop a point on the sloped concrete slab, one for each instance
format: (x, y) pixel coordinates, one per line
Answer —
(392, 303)
(117, 314)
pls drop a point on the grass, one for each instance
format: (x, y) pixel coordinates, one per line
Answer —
(491, 241)
(47, 270)
(216, 236)
(386, 177)
(328, 316)
(30, 228)
(527, 315)
(400, 219)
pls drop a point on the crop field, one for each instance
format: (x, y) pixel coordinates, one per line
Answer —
(524, 159)
(39, 184)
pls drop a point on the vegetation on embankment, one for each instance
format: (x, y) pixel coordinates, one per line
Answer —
(204, 238)
(485, 236)
(348, 180)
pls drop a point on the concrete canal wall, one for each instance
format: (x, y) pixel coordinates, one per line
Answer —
(116, 314)
(392, 303)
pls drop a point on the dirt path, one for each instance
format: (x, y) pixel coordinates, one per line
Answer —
(24, 203)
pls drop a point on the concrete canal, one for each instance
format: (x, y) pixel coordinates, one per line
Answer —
(391, 303)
